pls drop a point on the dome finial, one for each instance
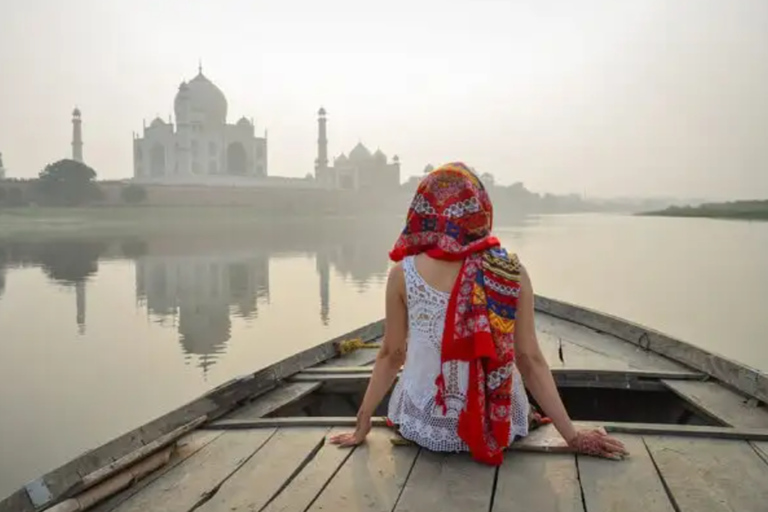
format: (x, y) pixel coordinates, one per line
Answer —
(199, 66)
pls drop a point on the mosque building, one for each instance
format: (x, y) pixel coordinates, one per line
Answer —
(202, 148)
(360, 170)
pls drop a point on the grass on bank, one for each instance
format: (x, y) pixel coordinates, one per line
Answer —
(737, 210)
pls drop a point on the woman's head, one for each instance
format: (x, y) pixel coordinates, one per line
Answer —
(450, 213)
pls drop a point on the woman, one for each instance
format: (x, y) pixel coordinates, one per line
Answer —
(462, 310)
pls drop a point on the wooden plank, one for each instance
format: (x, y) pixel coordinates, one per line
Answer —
(193, 481)
(185, 448)
(302, 491)
(571, 334)
(321, 373)
(739, 376)
(631, 485)
(720, 403)
(371, 479)
(447, 482)
(273, 400)
(750, 434)
(711, 475)
(268, 471)
(533, 482)
(762, 449)
(17, 502)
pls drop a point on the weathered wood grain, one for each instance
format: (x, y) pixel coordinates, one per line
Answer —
(721, 403)
(271, 401)
(737, 375)
(447, 482)
(532, 482)
(615, 427)
(185, 448)
(548, 326)
(302, 491)
(197, 478)
(630, 485)
(268, 471)
(711, 475)
(371, 479)
(761, 448)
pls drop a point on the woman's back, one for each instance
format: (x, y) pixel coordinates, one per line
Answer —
(412, 407)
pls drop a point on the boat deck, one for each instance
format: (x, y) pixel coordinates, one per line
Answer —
(259, 443)
(294, 469)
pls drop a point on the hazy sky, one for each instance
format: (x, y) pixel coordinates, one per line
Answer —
(604, 97)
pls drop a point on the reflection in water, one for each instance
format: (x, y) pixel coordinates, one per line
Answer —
(199, 293)
(196, 285)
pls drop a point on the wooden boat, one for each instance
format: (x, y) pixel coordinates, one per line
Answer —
(695, 423)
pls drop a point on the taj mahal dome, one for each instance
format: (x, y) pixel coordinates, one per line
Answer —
(202, 148)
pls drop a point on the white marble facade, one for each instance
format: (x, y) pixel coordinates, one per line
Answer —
(201, 148)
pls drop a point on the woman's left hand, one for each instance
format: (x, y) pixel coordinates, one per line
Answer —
(357, 437)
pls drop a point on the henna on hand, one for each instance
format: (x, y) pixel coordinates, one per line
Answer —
(598, 444)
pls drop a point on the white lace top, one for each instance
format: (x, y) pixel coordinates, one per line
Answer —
(412, 404)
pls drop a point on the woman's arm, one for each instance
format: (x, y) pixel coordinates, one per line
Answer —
(539, 381)
(390, 358)
(532, 364)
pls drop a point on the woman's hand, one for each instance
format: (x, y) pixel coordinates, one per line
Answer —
(598, 443)
(358, 436)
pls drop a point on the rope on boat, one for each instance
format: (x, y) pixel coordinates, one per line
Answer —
(347, 346)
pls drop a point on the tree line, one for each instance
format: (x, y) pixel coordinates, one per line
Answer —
(66, 183)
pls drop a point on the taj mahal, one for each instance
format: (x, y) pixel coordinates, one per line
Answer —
(202, 148)
(202, 145)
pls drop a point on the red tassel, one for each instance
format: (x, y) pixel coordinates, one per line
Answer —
(440, 395)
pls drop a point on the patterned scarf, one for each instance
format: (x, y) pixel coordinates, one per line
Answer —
(450, 218)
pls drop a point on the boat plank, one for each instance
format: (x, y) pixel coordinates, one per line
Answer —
(195, 479)
(720, 403)
(307, 485)
(371, 479)
(185, 448)
(631, 485)
(532, 481)
(447, 482)
(273, 400)
(739, 376)
(268, 471)
(17, 502)
(711, 475)
(602, 343)
(761, 447)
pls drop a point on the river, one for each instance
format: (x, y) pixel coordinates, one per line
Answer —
(99, 335)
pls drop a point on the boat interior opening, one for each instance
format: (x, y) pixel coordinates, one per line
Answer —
(653, 404)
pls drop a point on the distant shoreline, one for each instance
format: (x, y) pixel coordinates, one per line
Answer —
(734, 210)
(128, 220)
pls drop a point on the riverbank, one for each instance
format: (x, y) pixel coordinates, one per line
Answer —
(36, 221)
(737, 210)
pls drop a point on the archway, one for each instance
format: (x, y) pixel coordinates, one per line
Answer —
(236, 159)
(157, 160)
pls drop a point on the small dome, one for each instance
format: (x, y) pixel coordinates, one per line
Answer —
(380, 156)
(156, 122)
(244, 123)
(203, 98)
(341, 159)
(359, 152)
(76, 112)
(396, 159)
(321, 112)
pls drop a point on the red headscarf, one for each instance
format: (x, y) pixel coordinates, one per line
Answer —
(450, 218)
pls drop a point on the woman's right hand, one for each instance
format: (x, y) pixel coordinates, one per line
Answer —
(598, 443)
(358, 436)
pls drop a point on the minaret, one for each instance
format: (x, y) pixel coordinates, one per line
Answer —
(323, 267)
(77, 136)
(2, 169)
(321, 164)
(80, 306)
